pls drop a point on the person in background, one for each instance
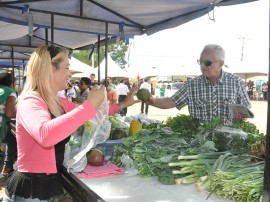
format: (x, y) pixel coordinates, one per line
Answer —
(251, 87)
(128, 84)
(84, 86)
(62, 93)
(112, 95)
(128, 101)
(209, 94)
(93, 81)
(145, 85)
(44, 123)
(17, 86)
(71, 92)
(110, 81)
(264, 91)
(8, 99)
(122, 90)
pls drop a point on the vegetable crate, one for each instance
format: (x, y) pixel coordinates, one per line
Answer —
(107, 146)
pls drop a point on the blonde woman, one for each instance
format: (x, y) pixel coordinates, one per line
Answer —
(43, 125)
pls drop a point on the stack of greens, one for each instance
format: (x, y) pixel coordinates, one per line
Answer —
(159, 151)
(152, 150)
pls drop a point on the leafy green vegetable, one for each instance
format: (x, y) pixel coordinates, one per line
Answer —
(184, 124)
(152, 149)
(237, 178)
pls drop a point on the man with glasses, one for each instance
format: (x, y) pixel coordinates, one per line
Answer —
(209, 94)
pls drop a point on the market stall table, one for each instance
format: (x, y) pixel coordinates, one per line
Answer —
(124, 188)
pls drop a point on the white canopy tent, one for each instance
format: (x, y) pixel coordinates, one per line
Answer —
(77, 76)
(164, 68)
(76, 66)
(246, 71)
(114, 70)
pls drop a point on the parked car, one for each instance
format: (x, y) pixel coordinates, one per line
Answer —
(167, 89)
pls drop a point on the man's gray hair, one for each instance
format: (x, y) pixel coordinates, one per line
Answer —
(219, 51)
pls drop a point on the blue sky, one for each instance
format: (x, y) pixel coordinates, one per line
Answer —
(233, 25)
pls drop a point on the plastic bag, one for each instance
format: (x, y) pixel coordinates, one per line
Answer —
(228, 139)
(127, 164)
(95, 131)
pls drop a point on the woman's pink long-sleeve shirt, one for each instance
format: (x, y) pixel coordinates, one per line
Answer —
(37, 133)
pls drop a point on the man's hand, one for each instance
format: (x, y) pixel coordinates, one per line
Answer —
(237, 116)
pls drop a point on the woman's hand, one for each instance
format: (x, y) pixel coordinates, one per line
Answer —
(96, 96)
(130, 97)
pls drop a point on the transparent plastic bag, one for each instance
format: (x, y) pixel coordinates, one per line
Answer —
(95, 131)
(127, 164)
(228, 139)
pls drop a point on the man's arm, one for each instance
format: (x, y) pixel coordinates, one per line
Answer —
(162, 103)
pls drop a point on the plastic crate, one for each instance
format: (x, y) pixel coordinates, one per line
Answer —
(106, 147)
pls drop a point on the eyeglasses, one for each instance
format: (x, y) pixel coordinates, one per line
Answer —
(207, 63)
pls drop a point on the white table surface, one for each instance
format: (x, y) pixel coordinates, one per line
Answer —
(123, 188)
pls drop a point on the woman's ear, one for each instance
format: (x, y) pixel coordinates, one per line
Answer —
(54, 68)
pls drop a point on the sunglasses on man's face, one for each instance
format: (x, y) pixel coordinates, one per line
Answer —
(207, 63)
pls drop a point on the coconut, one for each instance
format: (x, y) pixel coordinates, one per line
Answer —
(95, 157)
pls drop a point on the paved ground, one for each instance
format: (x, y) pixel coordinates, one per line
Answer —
(259, 108)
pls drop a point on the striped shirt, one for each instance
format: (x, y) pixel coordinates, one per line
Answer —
(206, 100)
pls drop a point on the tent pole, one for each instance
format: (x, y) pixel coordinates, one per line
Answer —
(98, 59)
(13, 72)
(52, 29)
(106, 53)
(23, 68)
(266, 182)
(46, 36)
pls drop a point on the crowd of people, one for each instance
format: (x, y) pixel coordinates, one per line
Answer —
(257, 92)
(117, 91)
(50, 108)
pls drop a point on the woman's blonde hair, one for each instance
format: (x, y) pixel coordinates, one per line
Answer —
(39, 77)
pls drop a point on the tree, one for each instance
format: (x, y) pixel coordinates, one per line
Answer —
(117, 51)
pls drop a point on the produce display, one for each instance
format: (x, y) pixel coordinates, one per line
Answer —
(143, 94)
(227, 161)
(135, 127)
(119, 129)
(95, 157)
